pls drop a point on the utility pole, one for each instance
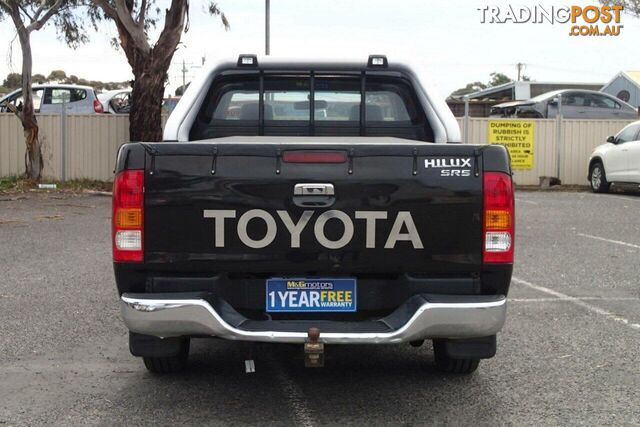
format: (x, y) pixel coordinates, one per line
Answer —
(520, 67)
(267, 27)
(184, 74)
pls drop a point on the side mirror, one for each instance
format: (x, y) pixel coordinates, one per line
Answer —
(611, 139)
(553, 101)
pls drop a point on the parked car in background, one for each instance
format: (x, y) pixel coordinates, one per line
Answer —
(617, 161)
(116, 101)
(49, 98)
(576, 104)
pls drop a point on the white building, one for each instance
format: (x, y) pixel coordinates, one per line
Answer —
(625, 86)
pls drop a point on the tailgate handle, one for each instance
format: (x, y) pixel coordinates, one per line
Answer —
(313, 190)
(314, 195)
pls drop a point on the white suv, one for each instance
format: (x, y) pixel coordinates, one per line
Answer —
(617, 161)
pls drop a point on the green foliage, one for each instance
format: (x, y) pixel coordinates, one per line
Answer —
(8, 183)
(498, 79)
(145, 11)
(12, 81)
(38, 78)
(57, 75)
(469, 88)
(62, 14)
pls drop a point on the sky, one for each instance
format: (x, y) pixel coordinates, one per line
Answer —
(447, 37)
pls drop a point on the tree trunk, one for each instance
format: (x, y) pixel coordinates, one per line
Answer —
(149, 64)
(146, 109)
(33, 156)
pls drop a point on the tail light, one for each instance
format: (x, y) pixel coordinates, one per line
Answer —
(128, 216)
(97, 106)
(499, 220)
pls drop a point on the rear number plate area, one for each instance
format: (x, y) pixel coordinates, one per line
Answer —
(311, 295)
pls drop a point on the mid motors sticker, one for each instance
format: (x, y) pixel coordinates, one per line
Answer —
(296, 295)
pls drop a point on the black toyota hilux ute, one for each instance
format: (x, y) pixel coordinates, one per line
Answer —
(315, 203)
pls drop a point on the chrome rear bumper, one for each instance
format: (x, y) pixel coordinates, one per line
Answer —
(473, 318)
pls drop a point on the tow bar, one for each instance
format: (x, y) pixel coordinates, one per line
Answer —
(313, 349)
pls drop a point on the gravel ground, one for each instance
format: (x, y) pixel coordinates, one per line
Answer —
(568, 353)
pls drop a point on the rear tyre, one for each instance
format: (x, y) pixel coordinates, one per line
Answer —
(447, 364)
(169, 364)
(598, 178)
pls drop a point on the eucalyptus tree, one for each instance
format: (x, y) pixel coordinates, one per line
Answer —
(27, 17)
(136, 21)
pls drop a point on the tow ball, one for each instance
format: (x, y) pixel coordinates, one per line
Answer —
(313, 349)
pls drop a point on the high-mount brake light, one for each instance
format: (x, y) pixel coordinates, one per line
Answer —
(128, 216)
(314, 156)
(499, 220)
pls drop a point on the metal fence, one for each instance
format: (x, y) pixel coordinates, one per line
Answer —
(90, 142)
(577, 138)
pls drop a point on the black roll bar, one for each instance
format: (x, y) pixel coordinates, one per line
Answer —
(261, 105)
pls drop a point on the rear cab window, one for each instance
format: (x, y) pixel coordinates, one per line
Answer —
(311, 104)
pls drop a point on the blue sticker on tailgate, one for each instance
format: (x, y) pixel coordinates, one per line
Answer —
(296, 295)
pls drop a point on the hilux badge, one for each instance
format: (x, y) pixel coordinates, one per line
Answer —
(450, 166)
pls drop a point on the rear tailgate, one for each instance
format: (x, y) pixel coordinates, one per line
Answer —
(399, 207)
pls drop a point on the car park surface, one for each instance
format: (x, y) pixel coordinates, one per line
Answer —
(569, 350)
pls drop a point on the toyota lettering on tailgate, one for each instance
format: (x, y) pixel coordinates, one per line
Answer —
(403, 229)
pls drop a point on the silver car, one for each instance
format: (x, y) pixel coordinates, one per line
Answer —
(576, 104)
(49, 98)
